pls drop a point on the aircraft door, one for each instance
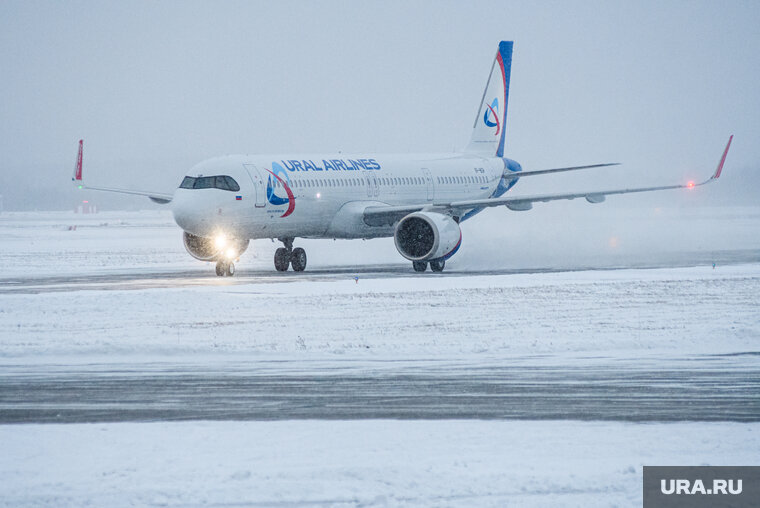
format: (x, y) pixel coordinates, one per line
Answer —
(430, 187)
(258, 185)
(372, 187)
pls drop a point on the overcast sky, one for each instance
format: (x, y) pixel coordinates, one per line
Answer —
(155, 87)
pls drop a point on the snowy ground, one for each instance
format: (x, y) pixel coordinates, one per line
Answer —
(120, 291)
(698, 309)
(345, 463)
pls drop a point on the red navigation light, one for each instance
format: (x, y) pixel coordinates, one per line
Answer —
(85, 201)
(690, 185)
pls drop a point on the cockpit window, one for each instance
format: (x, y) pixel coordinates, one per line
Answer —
(204, 182)
(232, 184)
(222, 182)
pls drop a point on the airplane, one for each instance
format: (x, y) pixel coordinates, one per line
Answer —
(418, 199)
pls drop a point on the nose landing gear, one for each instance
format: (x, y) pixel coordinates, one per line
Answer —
(225, 268)
(287, 255)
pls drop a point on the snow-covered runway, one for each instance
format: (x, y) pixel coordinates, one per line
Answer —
(689, 388)
(536, 383)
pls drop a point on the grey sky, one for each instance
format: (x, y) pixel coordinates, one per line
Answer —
(155, 87)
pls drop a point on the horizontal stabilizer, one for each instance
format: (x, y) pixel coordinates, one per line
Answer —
(521, 174)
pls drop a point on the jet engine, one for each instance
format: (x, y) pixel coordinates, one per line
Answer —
(216, 248)
(422, 236)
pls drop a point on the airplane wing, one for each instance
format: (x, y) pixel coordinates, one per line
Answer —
(388, 215)
(156, 197)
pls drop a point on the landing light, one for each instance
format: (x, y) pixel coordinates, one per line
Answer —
(231, 254)
(220, 241)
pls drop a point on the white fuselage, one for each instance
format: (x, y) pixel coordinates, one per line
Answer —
(323, 196)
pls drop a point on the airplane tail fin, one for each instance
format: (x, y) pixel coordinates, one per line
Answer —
(489, 128)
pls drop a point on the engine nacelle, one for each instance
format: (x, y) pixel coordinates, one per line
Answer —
(421, 236)
(214, 249)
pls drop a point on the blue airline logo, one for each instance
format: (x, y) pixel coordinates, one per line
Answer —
(272, 197)
(492, 112)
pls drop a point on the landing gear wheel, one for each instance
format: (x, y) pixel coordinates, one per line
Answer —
(298, 259)
(437, 265)
(281, 259)
(220, 269)
(419, 266)
(230, 269)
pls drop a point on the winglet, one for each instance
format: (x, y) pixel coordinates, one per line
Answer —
(78, 168)
(719, 169)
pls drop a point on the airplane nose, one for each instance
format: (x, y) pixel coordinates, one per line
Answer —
(187, 214)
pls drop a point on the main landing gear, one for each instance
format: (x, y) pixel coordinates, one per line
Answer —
(225, 268)
(436, 265)
(287, 255)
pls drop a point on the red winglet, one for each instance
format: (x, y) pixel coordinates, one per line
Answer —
(78, 168)
(722, 159)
